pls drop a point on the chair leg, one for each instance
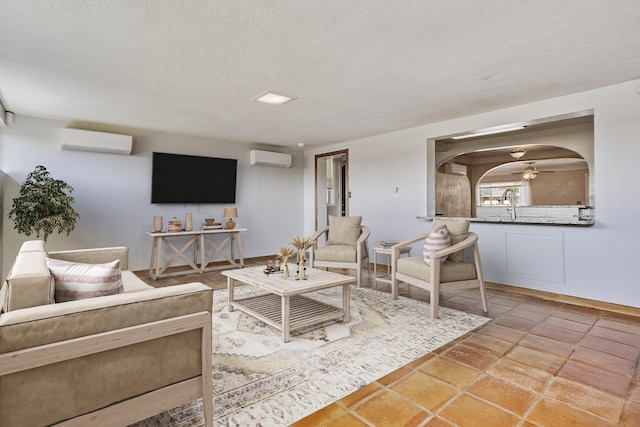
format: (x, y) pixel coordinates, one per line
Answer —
(394, 281)
(435, 289)
(435, 301)
(207, 391)
(359, 276)
(366, 245)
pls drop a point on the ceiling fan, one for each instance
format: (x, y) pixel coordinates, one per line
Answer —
(531, 172)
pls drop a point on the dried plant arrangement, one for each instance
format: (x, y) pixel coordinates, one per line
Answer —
(300, 243)
(284, 253)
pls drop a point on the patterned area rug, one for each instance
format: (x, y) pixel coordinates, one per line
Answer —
(260, 381)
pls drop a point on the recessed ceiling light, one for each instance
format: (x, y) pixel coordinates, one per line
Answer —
(274, 98)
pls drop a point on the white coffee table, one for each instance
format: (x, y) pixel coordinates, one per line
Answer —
(284, 308)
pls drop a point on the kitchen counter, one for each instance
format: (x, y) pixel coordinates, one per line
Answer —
(547, 215)
(534, 220)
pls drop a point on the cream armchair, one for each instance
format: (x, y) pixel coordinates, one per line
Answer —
(454, 271)
(347, 245)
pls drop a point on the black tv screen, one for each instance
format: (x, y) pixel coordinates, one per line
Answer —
(178, 178)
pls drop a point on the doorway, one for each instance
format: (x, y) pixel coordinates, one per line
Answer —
(331, 185)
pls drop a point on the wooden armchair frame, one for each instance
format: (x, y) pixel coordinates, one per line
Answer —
(136, 408)
(362, 253)
(432, 283)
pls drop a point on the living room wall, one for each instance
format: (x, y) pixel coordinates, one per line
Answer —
(113, 192)
(588, 262)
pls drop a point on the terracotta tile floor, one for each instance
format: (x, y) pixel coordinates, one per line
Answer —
(536, 363)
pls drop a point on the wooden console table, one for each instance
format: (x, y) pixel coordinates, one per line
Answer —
(199, 240)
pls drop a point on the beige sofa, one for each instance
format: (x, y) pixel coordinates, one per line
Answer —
(109, 360)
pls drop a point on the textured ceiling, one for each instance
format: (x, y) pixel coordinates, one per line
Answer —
(357, 67)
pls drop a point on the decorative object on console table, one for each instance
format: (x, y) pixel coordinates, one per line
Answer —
(231, 212)
(210, 224)
(157, 224)
(188, 222)
(175, 225)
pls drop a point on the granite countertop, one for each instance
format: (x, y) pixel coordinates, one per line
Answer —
(534, 220)
(580, 215)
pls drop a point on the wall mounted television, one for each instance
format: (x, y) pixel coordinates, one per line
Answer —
(179, 178)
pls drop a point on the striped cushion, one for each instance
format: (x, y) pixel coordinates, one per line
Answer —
(75, 280)
(458, 230)
(437, 240)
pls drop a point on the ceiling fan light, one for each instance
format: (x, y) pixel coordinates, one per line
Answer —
(529, 173)
(517, 154)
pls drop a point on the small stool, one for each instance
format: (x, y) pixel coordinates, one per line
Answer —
(385, 250)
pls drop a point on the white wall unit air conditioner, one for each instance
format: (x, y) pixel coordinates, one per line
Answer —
(268, 158)
(455, 169)
(101, 142)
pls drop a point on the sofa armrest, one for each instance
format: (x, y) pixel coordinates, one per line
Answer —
(72, 319)
(95, 255)
(29, 282)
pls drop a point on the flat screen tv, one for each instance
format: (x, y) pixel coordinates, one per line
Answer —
(178, 178)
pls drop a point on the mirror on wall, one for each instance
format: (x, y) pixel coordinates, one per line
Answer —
(332, 186)
(542, 171)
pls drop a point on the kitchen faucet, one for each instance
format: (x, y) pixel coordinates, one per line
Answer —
(510, 194)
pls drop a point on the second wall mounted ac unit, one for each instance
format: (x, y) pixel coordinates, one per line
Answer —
(268, 158)
(101, 142)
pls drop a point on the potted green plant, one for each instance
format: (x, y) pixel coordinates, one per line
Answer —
(43, 206)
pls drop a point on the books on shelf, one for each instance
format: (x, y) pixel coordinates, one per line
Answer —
(388, 243)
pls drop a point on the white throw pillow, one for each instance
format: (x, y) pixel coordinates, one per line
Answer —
(75, 280)
(437, 240)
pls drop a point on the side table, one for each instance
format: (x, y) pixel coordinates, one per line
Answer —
(385, 250)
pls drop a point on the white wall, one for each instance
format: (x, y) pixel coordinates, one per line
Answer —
(590, 262)
(113, 192)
